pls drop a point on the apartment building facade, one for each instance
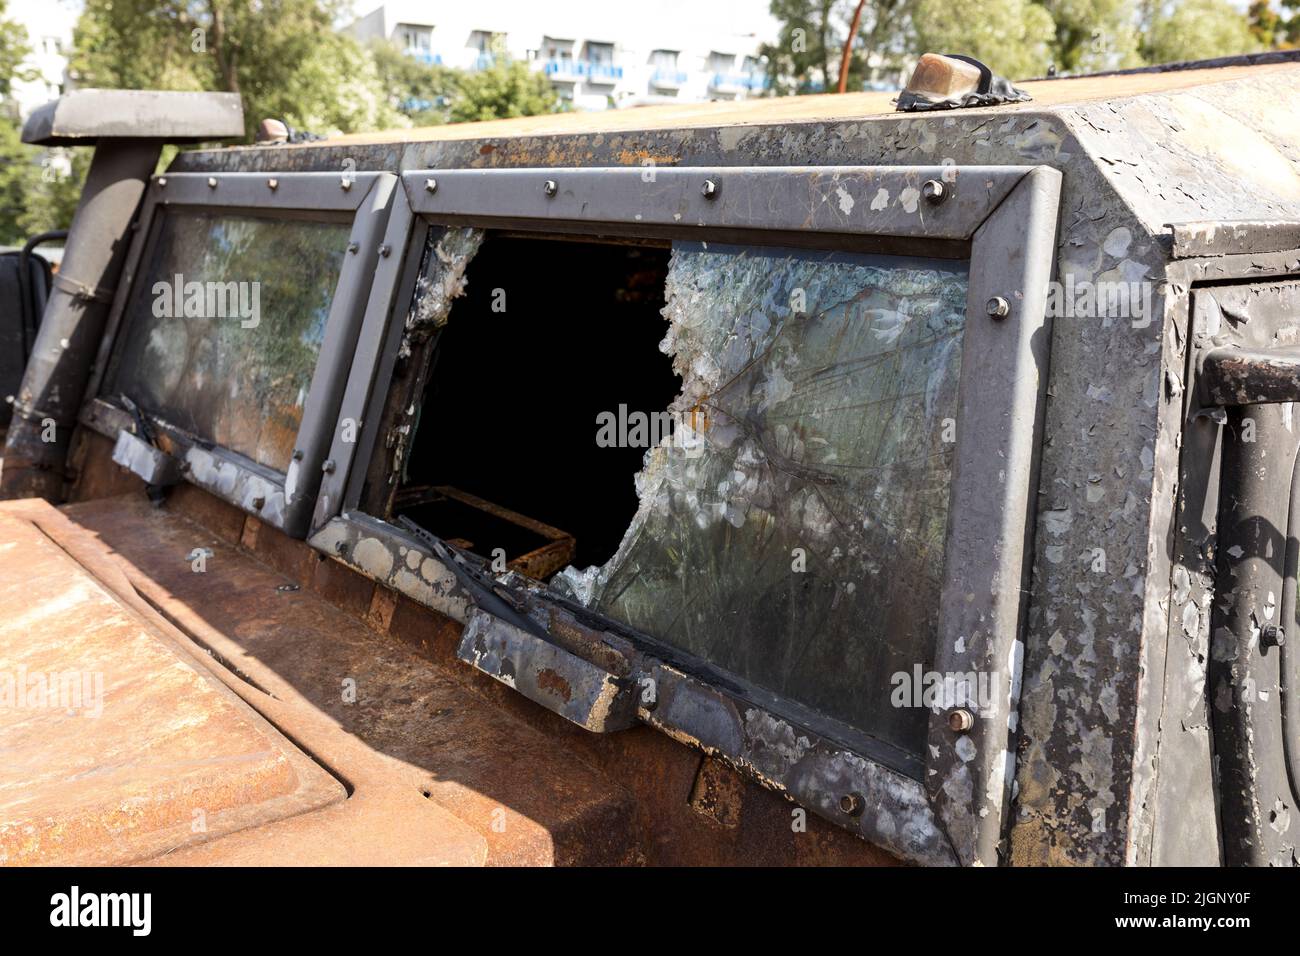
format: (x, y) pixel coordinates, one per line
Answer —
(49, 25)
(596, 54)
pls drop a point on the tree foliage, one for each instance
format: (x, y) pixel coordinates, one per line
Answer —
(1092, 35)
(1016, 38)
(507, 88)
(1197, 30)
(1275, 28)
(283, 57)
(13, 49)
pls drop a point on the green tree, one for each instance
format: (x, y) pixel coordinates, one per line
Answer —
(507, 88)
(1014, 37)
(806, 55)
(1093, 35)
(421, 91)
(13, 49)
(1197, 30)
(1266, 24)
(282, 56)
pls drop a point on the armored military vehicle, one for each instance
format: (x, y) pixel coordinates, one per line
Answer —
(791, 481)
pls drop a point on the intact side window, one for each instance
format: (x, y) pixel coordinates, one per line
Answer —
(225, 327)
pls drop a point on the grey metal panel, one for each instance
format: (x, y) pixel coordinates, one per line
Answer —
(851, 200)
(84, 116)
(956, 812)
(1222, 238)
(320, 413)
(142, 459)
(285, 501)
(54, 380)
(357, 422)
(328, 191)
(999, 418)
(579, 690)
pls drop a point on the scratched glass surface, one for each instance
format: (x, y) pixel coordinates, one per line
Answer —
(800, 544)
(237, 373)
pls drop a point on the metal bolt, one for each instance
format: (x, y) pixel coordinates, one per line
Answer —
(162, 181)
(297, 454)
(328, 467)
(431, 185)
(960, 720)
(273, 183)
(1272, 635)
(353, 247)
(384, 250)
(549, 187)
(997, 307)
(934, 191)
(852, 804)
(212, 182)
(345, 183)
(258, 503)
(709, 190)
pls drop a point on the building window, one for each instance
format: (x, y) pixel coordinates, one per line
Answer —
(599, 54)
(415, 40)
(664, 59)
(721, 62)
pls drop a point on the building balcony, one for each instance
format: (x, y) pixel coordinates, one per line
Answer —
(729, 83)
(569, 71)
(562, 71)
(668, 79)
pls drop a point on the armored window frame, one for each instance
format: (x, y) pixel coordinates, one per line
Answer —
(950, 805)
(284, 500)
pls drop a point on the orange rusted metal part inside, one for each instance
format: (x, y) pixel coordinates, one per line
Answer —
(275, 707)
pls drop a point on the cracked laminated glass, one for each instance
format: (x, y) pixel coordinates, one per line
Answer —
(225, 326)
(792, 530)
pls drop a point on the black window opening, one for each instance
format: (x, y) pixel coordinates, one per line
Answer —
(549, 337)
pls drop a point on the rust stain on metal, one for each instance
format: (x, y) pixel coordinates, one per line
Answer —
(551, 680)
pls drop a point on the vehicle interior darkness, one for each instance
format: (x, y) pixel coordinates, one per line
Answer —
(548, 335)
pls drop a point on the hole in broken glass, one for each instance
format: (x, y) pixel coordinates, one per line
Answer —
(550, 340)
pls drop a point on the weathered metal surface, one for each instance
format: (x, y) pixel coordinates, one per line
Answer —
(1236, 376)
(379, 552)
(116, 748)
(578, 690)
(1259, 818)
(1225, 238)
(874, 200)
(1113, 750)
(146, 461)
(888, 809)
(54, 381)
(539, 563)
(365, 705)
(999, 428)
(1246, 336)
(87, 116)
(656, 772)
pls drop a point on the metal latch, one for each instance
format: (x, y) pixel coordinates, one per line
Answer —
(147, 461)
(594, 695)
